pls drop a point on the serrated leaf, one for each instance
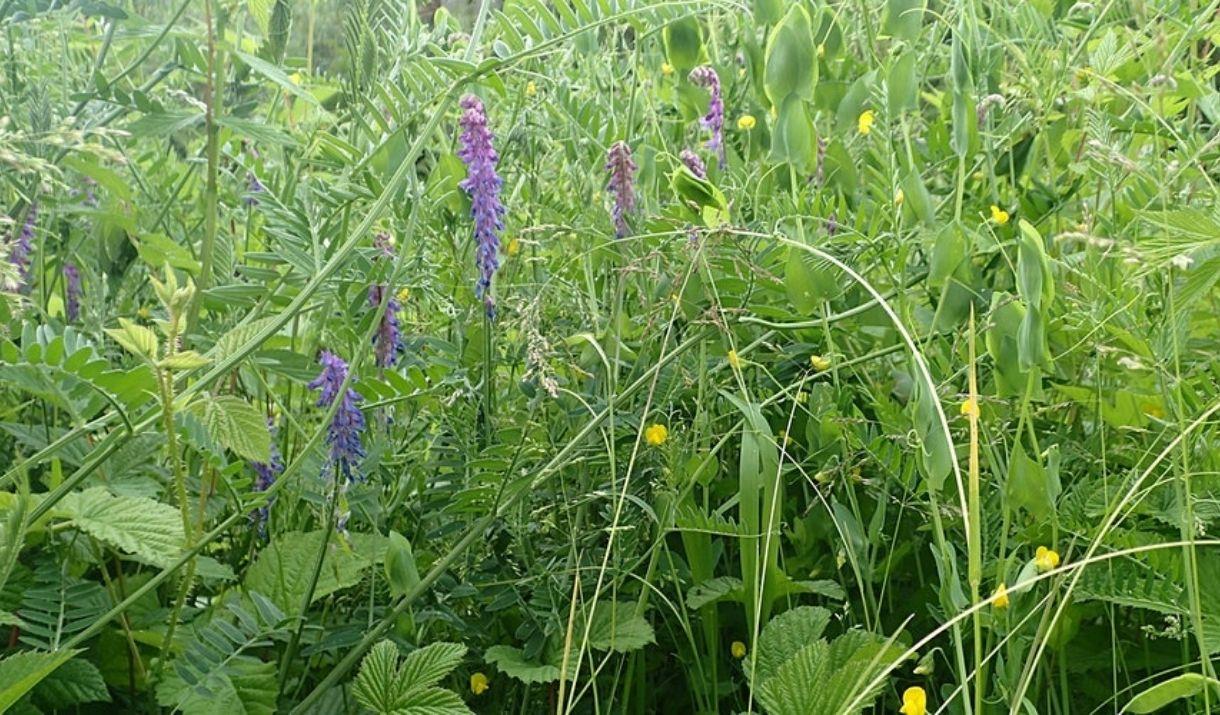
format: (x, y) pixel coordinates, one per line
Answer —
(184, 360)
(617, 627)
(237, 425)
(713, 590)
(73, 683)
(135, 339)
(22, 671)
(137, 525)
(785, 635)
(513, 663)
(283, 568)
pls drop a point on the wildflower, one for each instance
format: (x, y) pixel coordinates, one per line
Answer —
(144, 312)
(999, 599)
(734, 361)
(254, 187)
(996, 100)
(821, 50)
(622, 172)
(819, 363)
(1045, 559)
(403, 294)
(970, 408)
(23, 246)
(899, 197)
(746, 122)
(483, 184)
(479, 683)
(694, 163)
(914, 701)
(738, 649)
(265, 475)
(706, 77)
(513, 248)
(832, 224)
(864, 124)
(531, 89)
(667, 69)
(343, 435)
(656, 434)
(999, 215)
(387, 341)
(72, 291)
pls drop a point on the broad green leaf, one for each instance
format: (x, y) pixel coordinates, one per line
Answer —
(237, 425)
(400, 569)
(784, 636)
(793, 139)
(683, 41)
(74, 683)
(902, 84)
(135, 339)
(903, 18)
(718, 589)
(136, 525)
(617, 627)
(184, 360)
(512, 662)
(22, 671)
(283, 568)
(1168, 691)
(791, 59)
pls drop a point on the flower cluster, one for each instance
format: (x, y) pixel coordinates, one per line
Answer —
(265, 475)
(343, 435)
(72, 291)
(23, 245)
(482, 183)
(387, 341)
(622, 175)
(706, 77)
(694, 163)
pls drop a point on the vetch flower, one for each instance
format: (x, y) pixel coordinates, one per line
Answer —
(706, 77)
(22, 247)
(387, 341)
(479, 683)
(864, 124)
(72, 291)
(254, 187)
(914, 701)
(483, 184)
(694, 163)
(1045, 559)
(622, 174)
(746, 122)
(343, 435)
(999, 215)
(999, 599)
(265, 475)
(656, 434)
(738, 649)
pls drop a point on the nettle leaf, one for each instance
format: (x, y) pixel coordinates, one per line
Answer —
(386, 687)
(786, 634)
(237, 425)
(137, 525)
(283, 569)
(22, 671)
(513, 663)
(135, 339)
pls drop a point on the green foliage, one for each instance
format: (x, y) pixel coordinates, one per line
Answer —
(283, 569)
(390, 687)
(136, 525)
(22, 671)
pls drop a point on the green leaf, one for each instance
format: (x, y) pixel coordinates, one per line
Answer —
(385, 687)
(785, 635)
(135, 339)
(616, 627)
(137, 525)
(512, 662)
(283, 568)
(276, 75)
(22, 671)
(793, 139)
(683, 41)
(163, 124)
(791, 59)
(184, 360)
(903, 18)
(718, 589)
(1029, 486)
(75, 682)
(400, 570)
(1158, 696)
(902, 86)
(237, 425)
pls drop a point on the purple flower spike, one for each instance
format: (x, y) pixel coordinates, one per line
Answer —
(694, 163)
(387, 341)
(343, 436)
(622, 174)
(23, 246)
(706, 77)
(482, 183)
(265, 475)
(72, 291)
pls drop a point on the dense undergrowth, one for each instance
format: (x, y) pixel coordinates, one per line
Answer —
(604, 356)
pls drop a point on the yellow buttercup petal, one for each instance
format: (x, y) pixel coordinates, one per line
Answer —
(656, 434)
(999, 215)
(865, 123)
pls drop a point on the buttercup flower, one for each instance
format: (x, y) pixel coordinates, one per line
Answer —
(622, 174)
(479, 683)
(667, 69)
(738, 649)
(706, 77)
(656, 434)
(865, 123)
(819, 363)
(513, 248)
(694, 163)
(899, 197)
(746, 122)
(531, 89)
(914, 701)
(343, 435)
(999, 599)
(970, 407)
(999, 215)
(483, 184)
(72, 291)
(1045, 559)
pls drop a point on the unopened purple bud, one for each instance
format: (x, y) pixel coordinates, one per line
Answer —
(706, 77)
(483, 184)
(72, 291)
(621, 187)
(254, 187)
(694, 163)
(343, 435)
(832, 225)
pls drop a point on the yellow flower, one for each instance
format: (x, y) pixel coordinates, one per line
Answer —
(819, 363)
(513, 247)
(144, 312)
(656, 434)
(738, 649)
(734, 361)
(746, 122)
(970, 408)
(403, 295)
(479, 684)
(899, 197)
(531, 89)
(914, 702)
(1045, 559)
(865, 123)
(999, 599)
(999, 215)
(821, 51)
(667, 69)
